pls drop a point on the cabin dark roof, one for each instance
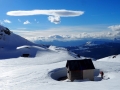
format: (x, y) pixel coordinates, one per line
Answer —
(80, 64)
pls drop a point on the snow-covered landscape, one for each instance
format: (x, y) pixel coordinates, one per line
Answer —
(45, 65)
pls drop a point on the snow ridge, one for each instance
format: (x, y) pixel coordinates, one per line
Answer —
(10, 40)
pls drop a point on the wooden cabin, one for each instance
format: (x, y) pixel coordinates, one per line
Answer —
(25, 55)
(80, 69)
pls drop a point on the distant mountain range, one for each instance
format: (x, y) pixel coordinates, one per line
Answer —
(65, 41)
(96, 51)
(94, 48)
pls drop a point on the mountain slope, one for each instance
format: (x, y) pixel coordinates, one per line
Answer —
(113, 58)
(36, 73)
(96, 51)
(10, 40)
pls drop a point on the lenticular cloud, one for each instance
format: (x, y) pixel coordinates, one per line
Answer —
(61, 13)
(53, 15)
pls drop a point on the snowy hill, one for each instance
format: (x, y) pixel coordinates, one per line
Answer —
(10, 40)
(40, 70)
(39, 73)
(113, 58)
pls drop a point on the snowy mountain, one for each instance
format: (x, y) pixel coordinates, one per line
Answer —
(65, 43)
(88, 48)
(14, 46)
(72, 40)
(96, 51)
(10, 40)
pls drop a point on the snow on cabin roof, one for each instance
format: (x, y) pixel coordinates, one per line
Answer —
(80, 64)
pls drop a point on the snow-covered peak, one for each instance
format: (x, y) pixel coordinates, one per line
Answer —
(89, 43)
(1, 27)
(11, 40)
(56, 37)
(4, 30)
(56, 48)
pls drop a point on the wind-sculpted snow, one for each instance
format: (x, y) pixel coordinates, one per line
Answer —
(38, 55)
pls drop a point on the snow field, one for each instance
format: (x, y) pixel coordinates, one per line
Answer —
(45, 65)
(31, 75)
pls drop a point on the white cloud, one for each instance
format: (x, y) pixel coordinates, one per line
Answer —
(21, 28)
(54, 19)
(115, 27)
(67, 33)
(7, 21)
(49, 36)
(19, 20)
(61, 13)
(26, 22)
(54, 15)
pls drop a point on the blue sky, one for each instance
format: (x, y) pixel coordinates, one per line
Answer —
(87, 15)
